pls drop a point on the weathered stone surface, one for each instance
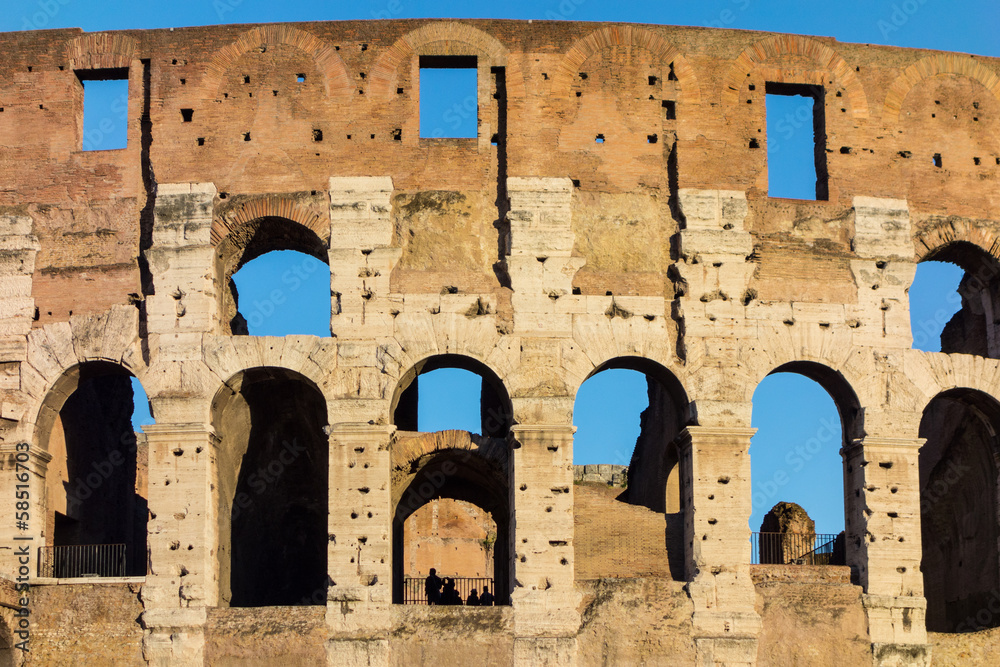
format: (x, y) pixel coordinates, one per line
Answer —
(612, 212)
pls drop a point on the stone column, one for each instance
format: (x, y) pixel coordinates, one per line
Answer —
(18, 249)
(883, 544)
(361, 256)
(183, 577)
(545, 601)
(17, 460)
(716, 499)
(540, 261)
(181, 259)
(359, 556)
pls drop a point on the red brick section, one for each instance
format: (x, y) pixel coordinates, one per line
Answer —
(615, 539)
(253, 133)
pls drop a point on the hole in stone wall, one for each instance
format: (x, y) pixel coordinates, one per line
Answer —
(669, 109)
(954, 289)
(105, 108)
(187, 115)
(795, 454)
(281, 293)
(796, 136)
(97, 428)
(937, 160)
(317, 135)
(958, 504)
(449, 97)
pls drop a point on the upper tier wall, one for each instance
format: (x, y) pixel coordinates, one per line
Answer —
(546, 90)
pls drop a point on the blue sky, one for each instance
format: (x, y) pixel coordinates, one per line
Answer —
(609, 404)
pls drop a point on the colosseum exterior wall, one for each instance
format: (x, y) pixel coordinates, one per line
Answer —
(531, 254)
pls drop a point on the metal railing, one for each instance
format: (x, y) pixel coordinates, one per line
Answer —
(88, 560)
(413, 589)
(796, 549)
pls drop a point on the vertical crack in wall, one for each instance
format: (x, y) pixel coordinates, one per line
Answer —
(674, 202)
(146, 215)
(502, 202)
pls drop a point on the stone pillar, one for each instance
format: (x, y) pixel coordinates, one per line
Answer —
(883, 544)
(883, 273)
(183, 577)
(359, 557)
(361, 256)
(22, 468)
(17, 264)
(716, 499)
(182, 261)
(540, 263)
(18, 249)
(544, 598)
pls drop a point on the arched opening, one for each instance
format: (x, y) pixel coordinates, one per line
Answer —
(450, 480)
(955, 301)
(628, 415)
(441, 393)
(958, 510)
(804, 413)
(283, 293)
(451, 513)
(281, 282)
(96, 482)
(272, 483)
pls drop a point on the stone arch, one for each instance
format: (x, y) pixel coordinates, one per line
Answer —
(669, 411)
(617, 35)
(601, 339)
(940, 63)
(837, 385)
(56, 351)
(495, 407)
(386, 68)
(779, 45)
(233, 219)
(94, 484)
(973, 329)
(931, 242)
(256, 227)
(457, 466)
(231, 357)
(335, 78)
(958, 465)
(271, 425)
(102, 51)
(931, 374)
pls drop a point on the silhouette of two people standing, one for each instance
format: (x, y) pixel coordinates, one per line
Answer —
(443, 592)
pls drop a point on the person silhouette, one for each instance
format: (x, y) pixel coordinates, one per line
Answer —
(473, 599)
(432, 587)
(486, 599)
(449, 595)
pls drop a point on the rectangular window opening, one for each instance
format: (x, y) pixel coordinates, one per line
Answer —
(105, 108)
(449, 97)
(796, 141)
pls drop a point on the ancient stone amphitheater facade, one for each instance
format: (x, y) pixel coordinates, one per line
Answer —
(532, 255)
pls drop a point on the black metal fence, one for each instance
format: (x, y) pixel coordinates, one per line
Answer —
(413, 588)
(796, 549)
(89, 560)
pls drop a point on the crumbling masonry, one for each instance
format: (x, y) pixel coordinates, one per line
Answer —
(533, 254)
